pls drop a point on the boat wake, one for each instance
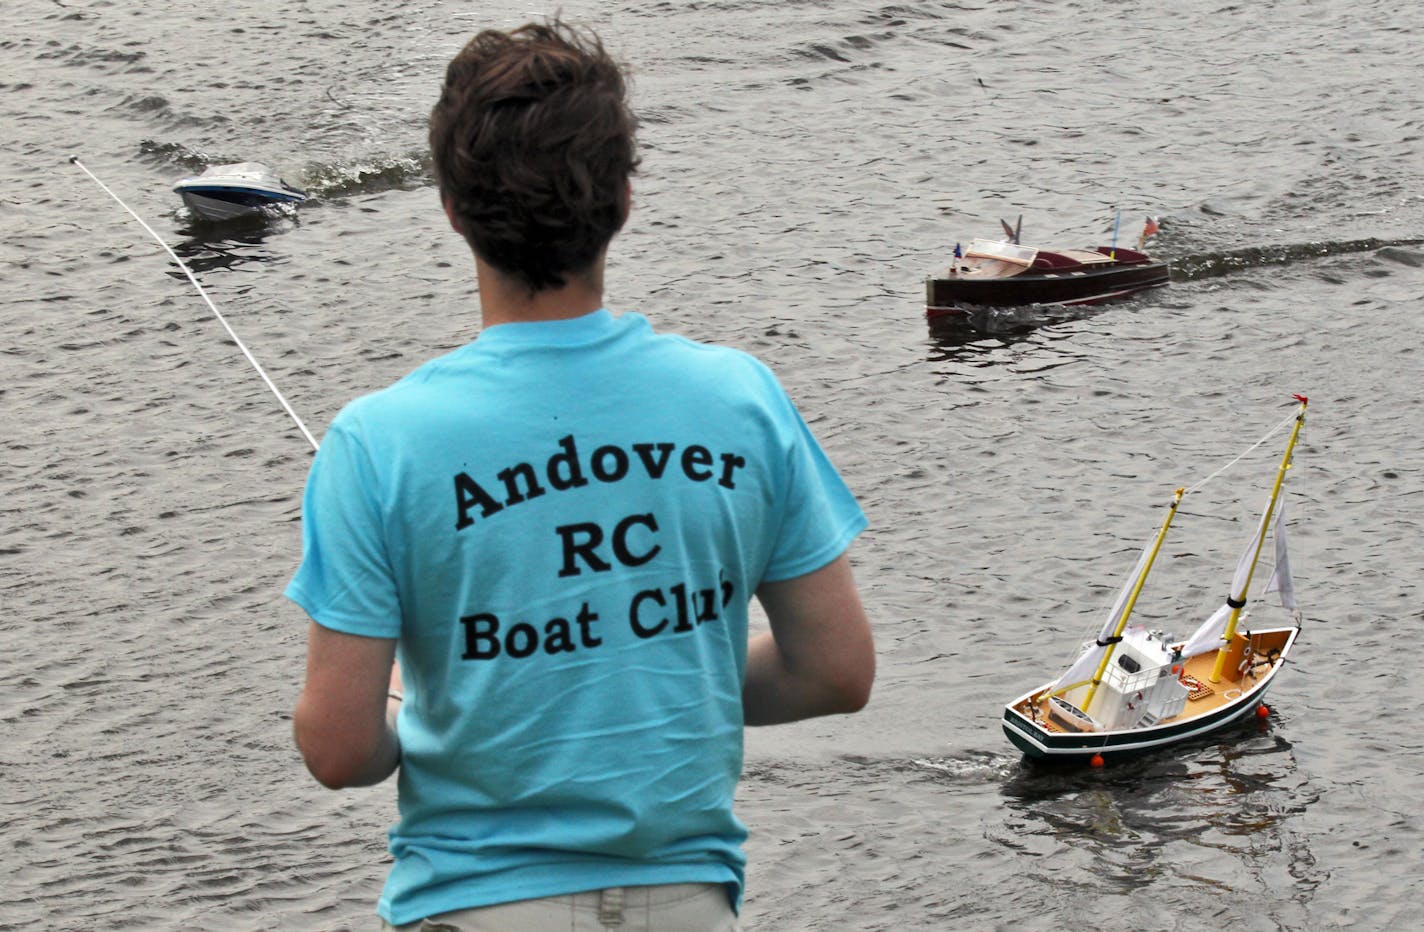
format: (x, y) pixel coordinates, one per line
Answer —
(320, 181)
(1215, 264)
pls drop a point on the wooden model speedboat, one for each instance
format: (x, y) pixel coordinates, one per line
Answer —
(1007, 274)
(1132, 690)
(225, 192)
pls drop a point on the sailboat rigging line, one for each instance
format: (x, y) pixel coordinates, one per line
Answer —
(1244, 453)
(204, 295)
(1092, 624)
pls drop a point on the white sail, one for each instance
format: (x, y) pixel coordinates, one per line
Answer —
(1087, 663)
(1281, 580)
(1083, 668)
(1247, 564)
(1209, 635)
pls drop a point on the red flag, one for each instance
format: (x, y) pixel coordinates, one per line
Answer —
(1151, 227)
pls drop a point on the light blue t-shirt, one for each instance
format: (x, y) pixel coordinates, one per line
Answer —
(563, 523)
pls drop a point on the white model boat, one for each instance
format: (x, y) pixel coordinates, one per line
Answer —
(224, 192)
(1132, 690)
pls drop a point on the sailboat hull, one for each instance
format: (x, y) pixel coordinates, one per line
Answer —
(1040, 736)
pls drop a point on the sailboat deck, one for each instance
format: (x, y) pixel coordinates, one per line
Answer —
(1206, 696)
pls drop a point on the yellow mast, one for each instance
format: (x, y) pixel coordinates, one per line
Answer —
(1237, 600)
(1132, 600)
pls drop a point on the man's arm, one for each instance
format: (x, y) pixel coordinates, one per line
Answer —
(344, 723)
(819, 658)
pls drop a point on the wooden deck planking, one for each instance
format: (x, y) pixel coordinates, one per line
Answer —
(1232, 683)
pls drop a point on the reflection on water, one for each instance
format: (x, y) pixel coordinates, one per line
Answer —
(1224, 821)
(1036, 781)
(989, 328)
(227, 246)
(963, 339)
(1003, 335)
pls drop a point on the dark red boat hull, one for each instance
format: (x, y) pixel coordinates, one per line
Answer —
(946, 297)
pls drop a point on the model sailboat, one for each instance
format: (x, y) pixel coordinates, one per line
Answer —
(1132, 690)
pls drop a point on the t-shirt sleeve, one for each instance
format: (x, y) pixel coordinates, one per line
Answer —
(819, 514)
(345, 581)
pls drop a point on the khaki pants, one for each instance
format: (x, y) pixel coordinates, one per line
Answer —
(679, 907)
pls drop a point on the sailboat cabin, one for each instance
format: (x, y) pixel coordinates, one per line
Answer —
(1138, 687)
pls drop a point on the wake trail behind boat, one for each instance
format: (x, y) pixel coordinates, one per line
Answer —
(1214, 264)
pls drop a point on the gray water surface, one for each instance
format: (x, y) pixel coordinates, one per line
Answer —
(806, 165)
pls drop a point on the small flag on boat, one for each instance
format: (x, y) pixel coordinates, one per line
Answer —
(957, 253)
(1148, 229)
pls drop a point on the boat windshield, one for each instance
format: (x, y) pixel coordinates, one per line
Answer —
(1009, 252)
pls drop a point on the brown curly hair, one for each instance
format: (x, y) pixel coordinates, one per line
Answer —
(533, 143)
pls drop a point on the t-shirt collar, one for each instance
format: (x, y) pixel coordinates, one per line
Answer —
(585, 328)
